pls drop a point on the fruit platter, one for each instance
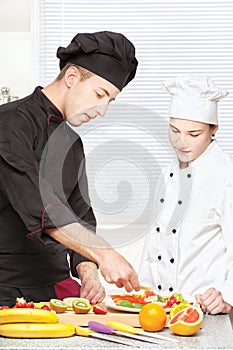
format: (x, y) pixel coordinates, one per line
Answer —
(133, 302)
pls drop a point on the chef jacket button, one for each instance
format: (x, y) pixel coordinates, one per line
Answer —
(172, 260)
(159, 257)
(171, 174)
(157, 229)
(159, 287)
(189, 175)
(179, 202)
(170, 289)
(161, 200)
(174, 230)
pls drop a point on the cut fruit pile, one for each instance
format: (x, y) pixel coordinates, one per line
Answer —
(187, 321)
(138, 300)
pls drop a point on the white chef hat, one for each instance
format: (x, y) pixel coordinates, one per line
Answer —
(194, 98)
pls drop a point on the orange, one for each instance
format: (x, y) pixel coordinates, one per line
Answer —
(152, 317)
(187, 322)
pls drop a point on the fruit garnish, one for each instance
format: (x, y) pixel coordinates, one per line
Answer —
(152, 317)
(187, 322)
(58, 305)
(99, 310)
(81, 306)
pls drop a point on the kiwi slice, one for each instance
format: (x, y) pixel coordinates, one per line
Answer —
(58, 305)
(81, 306)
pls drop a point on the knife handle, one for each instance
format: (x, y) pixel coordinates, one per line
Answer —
(82, 331)
(100, 327)
(123, 327)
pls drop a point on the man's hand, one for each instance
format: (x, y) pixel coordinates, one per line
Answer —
(212, 302)
(91, 288)
(115, 269)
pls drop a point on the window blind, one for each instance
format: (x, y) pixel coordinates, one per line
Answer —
(126, 149)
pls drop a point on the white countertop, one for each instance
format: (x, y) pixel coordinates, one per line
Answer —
(216, 333)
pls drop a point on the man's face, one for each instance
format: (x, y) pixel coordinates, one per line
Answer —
(189, 138)
(88, 99)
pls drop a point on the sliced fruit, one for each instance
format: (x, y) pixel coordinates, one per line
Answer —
(187, 322)
(36, 330)
(177, 308)
(152, 317)
(138, 306)
(99, 310)
(125, 303)
(81, 306)
(69, 301)
(22, 303)
(21, 315)
(58, 305)
(41, 304)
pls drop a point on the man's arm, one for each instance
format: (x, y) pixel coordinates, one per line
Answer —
(113, 266)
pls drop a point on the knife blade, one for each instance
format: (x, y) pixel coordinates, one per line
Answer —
(129, 329)
(89, 333)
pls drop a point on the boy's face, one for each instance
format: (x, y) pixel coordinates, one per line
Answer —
(189, 138)
(87, 99)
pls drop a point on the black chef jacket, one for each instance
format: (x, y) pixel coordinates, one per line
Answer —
(43, 185)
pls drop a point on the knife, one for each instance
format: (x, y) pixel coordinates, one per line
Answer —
(88, 333)
(132, 330)
(103, 328)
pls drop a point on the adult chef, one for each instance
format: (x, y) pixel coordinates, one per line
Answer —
(42, 219)
(190, 247)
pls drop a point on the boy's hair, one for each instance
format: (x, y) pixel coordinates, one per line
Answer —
(85, 74)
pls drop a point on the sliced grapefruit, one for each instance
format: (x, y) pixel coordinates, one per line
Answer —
(177, 308)
(186, 322)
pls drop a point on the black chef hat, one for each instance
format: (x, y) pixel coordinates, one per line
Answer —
(107, 54)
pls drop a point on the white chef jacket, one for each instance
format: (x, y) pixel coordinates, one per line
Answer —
(190, 245)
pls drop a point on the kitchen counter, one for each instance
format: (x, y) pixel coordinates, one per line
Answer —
(216, 333)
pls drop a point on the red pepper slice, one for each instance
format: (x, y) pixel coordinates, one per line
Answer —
(99, 310)
(149, 293)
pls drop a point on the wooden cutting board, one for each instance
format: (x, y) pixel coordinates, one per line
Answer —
(112, 315)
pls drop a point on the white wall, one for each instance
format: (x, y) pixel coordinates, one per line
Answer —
(17, 61)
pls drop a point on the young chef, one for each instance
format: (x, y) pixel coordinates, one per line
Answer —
(42, 219)
(189, 249)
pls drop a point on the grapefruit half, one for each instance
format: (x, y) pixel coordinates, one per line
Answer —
(187, 322)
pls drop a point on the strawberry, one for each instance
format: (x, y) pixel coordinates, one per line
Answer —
(22, 303)
(172, 300)
(99, 310)
(46, 307)
(4, 307)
